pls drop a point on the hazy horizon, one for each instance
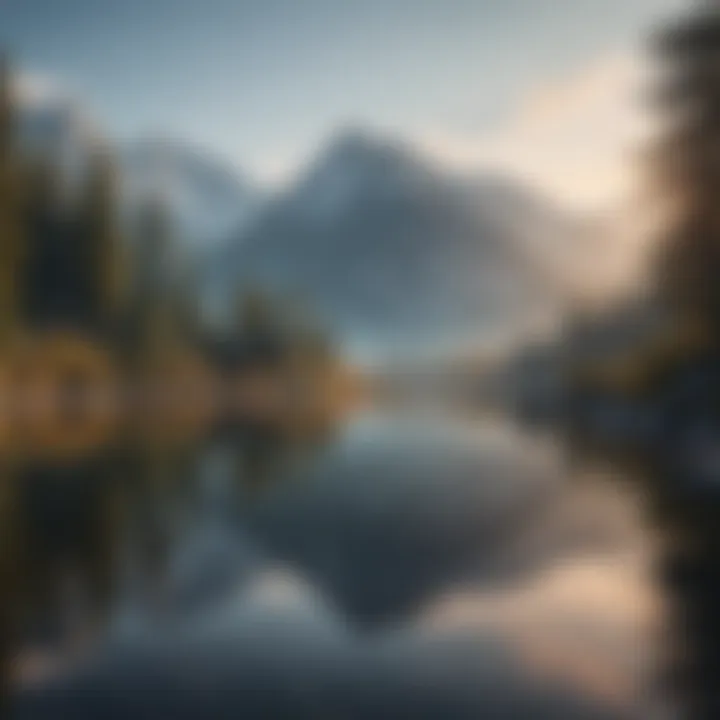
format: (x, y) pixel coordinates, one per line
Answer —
(546, 95)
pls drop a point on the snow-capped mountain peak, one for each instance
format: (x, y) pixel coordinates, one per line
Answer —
(353, 166)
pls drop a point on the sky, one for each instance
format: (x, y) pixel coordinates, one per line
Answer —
(509, 83)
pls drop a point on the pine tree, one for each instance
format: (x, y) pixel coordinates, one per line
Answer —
(7, 110)
(49, 279)
(188, 311)
(262, 327)
(687, 164)
(11, 215)
(688, 274)
(102, 251)
(153, 326)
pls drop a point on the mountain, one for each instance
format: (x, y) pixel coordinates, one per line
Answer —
(385, 248)
(207, 198)
(390, 251)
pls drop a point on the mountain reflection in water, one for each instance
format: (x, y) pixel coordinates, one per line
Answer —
(398, 567)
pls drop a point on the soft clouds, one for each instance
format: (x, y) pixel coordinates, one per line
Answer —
(573, 137)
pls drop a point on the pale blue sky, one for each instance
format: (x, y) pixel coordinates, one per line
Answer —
(264, 81)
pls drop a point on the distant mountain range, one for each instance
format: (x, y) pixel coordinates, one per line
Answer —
(208, 199)
(380, 244)
(392, 252)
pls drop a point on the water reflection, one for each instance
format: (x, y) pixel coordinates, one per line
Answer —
(676, 480)
(398, 566)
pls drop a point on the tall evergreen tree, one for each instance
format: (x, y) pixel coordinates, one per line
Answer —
(49, 283)
(154, 329)
(688, 275)
(11, 215)
(101, 248)
(688, 170)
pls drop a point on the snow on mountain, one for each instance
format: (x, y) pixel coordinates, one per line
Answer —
(207, 198)
(390, 250)
(383, 245)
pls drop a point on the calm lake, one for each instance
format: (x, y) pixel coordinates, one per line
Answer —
(405, 564)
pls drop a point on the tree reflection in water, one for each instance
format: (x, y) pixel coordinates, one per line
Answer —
(84, 536)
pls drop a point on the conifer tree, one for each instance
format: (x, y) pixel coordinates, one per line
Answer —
(49, 269)
(688, 170)
(154, 330)
(102, 251)
(11, 216)
(688, 276)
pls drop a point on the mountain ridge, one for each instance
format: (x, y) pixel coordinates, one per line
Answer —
(387, 247)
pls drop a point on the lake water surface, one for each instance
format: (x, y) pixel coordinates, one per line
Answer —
(406, 565)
